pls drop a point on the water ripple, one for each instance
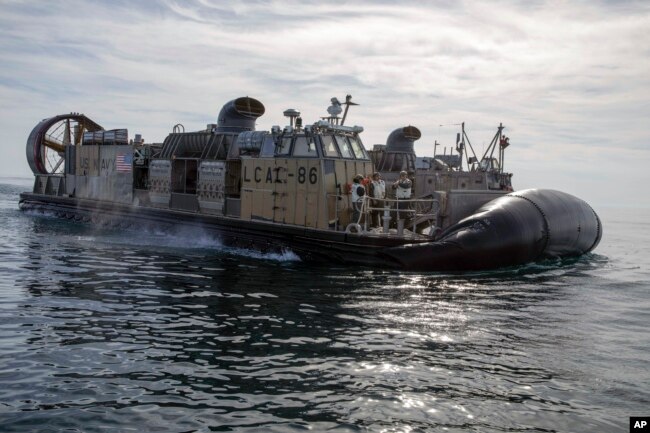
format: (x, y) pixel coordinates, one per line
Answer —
(102, 331)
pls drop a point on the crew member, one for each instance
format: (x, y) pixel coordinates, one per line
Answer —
(402, 187)
(378, 193)
(366, 182)
(358, 191)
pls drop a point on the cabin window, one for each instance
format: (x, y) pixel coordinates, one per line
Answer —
(305, 147)
(329, 147)
(357, 148)
(285, 147)
(489, 164)
(344, 146)
(268, 147)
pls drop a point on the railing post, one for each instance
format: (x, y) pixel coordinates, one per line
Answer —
(386, 217)
(415, 217)
(366, 213)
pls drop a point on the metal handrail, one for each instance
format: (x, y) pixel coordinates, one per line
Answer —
(391, 205)
(431, 205)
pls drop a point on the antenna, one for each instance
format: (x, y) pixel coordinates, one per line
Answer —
(348, 102)
(465, 137)
(292, 115)
(334, 110)
(502, 141)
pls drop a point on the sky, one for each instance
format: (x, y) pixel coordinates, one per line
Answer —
(570, 80)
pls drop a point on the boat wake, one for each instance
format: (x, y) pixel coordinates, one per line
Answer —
(149, 236)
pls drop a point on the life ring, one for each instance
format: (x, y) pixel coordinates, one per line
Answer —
(353, 228)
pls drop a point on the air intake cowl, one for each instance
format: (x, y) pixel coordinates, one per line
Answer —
(239, 115)
(402, 139)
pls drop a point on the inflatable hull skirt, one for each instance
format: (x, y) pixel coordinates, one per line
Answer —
(511, 230)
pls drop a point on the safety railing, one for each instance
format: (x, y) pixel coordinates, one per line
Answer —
(381, 213)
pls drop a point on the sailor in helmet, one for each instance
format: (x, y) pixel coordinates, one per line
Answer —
(358, 191)
(403, 189)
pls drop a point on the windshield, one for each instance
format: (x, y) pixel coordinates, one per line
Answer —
(344, 146)
(268, 147)
(489, 164)
(284, 147)
(304, 146)
(329, 147)
(357, 148)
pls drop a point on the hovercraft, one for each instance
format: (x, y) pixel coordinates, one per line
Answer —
(313, 189)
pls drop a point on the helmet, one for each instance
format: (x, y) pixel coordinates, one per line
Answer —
(403, 173)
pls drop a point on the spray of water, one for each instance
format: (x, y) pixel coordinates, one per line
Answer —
(186, 238)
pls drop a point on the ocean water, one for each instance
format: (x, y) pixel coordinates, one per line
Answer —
(123, 330)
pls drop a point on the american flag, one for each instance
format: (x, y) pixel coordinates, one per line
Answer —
(123, 162)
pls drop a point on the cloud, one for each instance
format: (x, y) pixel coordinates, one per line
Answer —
(566, 78)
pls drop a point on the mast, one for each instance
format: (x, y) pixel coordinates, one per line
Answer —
(348, 102)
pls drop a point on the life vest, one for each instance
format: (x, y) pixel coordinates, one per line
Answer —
(378, 189)
(358, 191)
(404, 189)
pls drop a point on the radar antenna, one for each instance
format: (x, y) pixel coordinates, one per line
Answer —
(335, 109)
(293, 116)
